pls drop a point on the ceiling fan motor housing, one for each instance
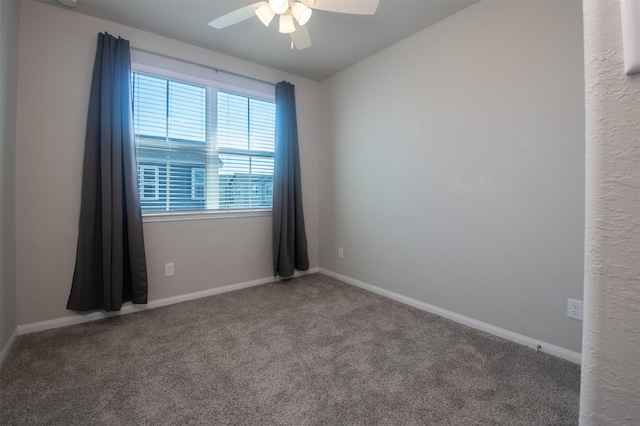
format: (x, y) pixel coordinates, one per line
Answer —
(279, 6)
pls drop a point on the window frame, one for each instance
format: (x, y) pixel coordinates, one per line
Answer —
(249, 92)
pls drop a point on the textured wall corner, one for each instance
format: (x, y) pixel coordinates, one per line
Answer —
(610, 391)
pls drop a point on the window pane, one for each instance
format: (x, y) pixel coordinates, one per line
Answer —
(262, 125)
(150, 106)
(233, 128)
(262, 165)
(187, 112)
(234, 164)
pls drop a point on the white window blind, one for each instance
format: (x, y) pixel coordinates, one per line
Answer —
(200, 148)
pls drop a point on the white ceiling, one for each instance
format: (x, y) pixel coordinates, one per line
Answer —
(339, 40)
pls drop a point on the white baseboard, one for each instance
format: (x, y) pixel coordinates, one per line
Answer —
(129, 307)
(554, 350)
(8, 345)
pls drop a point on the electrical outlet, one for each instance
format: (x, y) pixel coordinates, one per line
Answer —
(340, 252)
(168, 269)
(574, 309)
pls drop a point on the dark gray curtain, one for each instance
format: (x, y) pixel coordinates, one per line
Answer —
(110, 260)
(289, 236)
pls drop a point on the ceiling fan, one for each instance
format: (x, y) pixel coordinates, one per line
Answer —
(294, 14)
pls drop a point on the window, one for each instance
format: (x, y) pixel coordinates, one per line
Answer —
(200, 148)
(149, 180)
(197, 183)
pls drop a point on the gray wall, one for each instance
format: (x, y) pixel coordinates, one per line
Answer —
(610, 384)
(452, 167)
(9, 18)
(57, 49)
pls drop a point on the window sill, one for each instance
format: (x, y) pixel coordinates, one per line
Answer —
(202, 215)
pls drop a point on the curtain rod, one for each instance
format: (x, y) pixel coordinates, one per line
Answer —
(217, 70)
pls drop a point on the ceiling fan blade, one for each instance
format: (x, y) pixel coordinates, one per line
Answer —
(236, 16)
(300, 37)
(356, 7)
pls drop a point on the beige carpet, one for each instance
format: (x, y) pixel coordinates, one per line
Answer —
(309, 351)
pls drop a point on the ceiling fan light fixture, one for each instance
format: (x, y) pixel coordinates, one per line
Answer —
(266, 14)
(279, 6)
(286, 24)
(301, 12)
